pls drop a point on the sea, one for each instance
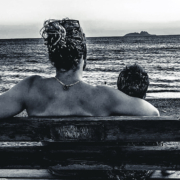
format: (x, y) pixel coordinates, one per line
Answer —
(107, 56)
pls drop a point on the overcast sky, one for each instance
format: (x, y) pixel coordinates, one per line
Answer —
(24, 18)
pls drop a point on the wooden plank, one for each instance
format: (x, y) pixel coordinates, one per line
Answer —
(92, 129)
(20, 144)
(25, 173)
(93, 118)
(124, 157)
(165, 175)
(57, 178)
(43, 173)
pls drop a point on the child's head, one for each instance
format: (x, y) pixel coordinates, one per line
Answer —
(133, 81)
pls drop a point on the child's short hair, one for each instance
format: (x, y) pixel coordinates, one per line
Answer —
(133, 81)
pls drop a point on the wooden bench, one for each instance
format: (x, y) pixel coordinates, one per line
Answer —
(88, 147)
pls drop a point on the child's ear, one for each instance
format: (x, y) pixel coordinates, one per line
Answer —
(144, 96)
(84, 65)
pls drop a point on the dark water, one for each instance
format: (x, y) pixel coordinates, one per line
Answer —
(159, 55)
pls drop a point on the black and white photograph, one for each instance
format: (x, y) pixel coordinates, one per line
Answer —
(90, 89)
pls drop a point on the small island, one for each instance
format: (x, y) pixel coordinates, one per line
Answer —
(142, 33)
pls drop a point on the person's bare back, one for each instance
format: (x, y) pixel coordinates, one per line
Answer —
(47, 97)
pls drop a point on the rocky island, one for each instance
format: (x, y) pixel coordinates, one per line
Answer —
(142, 33)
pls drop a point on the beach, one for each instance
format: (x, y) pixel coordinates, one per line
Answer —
(167, 106)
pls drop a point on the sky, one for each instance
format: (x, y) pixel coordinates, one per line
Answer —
(24, 18)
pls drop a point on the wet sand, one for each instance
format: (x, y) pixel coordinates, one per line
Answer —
(167, 106)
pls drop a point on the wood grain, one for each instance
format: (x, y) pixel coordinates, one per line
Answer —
(44, 174)
(87, 146)
(91, 129)
(43, 156)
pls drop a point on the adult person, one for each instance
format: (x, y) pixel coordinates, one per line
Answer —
(67, 94)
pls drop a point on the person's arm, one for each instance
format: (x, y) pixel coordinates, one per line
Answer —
(122, 104)
(12, 102)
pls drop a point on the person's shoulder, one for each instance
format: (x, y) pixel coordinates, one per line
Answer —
(103, 88)
(108, 94)
(27, 83)
(21, 89)
(31, 79)
(109, 91)
(119, 103)
(155, 112)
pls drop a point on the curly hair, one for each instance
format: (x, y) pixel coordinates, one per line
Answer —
(133, 81)
(66, 43)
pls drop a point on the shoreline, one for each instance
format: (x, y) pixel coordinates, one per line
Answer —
(158, 95)
(166, 106)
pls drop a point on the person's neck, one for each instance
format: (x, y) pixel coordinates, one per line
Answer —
(69, 77)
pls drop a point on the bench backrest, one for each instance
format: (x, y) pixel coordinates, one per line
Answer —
(90, 143)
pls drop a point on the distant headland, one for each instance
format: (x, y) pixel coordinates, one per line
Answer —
(142, 33)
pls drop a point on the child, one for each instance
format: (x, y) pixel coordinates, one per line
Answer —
(133, 81)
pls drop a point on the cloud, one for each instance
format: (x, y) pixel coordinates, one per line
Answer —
(19, 31)
(24, 18)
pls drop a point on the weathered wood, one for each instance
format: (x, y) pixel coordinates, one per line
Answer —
(98, 118)
(43, 156)
(92, 129)
(167, 175)
(25, 173)
(44, 174)
(87, 146)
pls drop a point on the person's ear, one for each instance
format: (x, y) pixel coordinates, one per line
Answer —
(84, 65)
(144, 96)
